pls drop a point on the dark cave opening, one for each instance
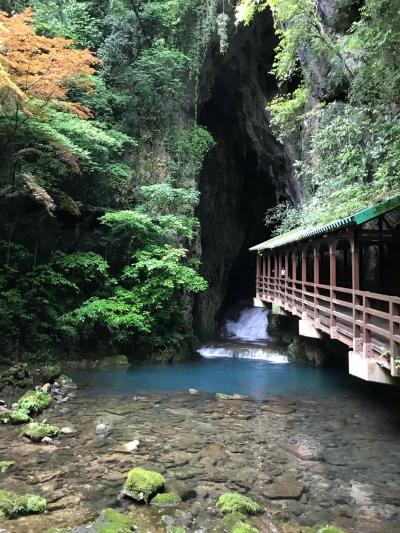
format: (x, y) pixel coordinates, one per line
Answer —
(243, 175)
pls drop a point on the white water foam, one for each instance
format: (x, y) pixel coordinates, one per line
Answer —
(239, 352)
(250, 326)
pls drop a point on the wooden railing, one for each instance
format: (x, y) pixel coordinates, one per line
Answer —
(367, 322)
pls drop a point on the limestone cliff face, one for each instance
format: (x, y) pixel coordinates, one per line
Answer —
(246, 172)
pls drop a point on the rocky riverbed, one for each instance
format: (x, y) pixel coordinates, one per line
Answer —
(307, 460)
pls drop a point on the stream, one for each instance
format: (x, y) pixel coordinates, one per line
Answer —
(312, 445)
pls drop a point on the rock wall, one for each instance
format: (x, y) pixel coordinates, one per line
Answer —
(246, 172)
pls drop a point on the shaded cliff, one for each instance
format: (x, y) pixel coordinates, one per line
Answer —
(247, 171)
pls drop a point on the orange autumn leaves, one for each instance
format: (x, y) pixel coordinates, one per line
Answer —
(32, 65)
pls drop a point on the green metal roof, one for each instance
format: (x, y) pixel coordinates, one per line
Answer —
(303, 233)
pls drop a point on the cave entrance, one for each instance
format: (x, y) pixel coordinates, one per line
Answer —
(242, 176)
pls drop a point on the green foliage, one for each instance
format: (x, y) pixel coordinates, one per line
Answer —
(288, 113)
(20, 416)
(346, 143)
(51, 372)
(34, 402)
(157, 77)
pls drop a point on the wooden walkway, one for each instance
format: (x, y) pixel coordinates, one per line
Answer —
(367, 322)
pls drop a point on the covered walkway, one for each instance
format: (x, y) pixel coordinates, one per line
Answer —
(343, 279)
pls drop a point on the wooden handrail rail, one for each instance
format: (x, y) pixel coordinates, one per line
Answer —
(353, 320)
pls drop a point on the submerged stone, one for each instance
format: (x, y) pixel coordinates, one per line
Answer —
(128, 447)
(166, 499)
(232, 501)
(34, 401)
(142, 484)
(38, 431)
(223, 396)
(111, 521)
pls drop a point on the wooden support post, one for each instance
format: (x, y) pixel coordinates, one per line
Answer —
(316, 259)
(258, 270)
(332, 282)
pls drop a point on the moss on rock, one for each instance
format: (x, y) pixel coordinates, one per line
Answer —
(34, 401)
(232, 501)
(166, 499)
(114, 360)
(6, 465)
(142, 484)
(38, 431)
(244, 527)
(12, 505)
(111, 521)
(231, 519)
(20, 416)
(29, 504)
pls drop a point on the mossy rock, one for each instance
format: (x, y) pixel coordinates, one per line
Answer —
(4, 416)
(29, 504)
(231, 502)
(176, 530)
(12, 505)
(38, 431)
(166, 499)
(6, 465)
(142, 484)
(66, 382)
(114, 360)
(111, 521)
(51, 372)
(223, 396)
(35, 401)
(231, 519)
(244, 527)
(7, 500)
(20, 416)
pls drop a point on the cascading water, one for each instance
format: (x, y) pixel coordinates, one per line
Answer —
(251, 326)
(245, 338)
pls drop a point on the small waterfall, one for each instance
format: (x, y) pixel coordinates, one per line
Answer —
(242, 352)
(250, 326)
(245, 337)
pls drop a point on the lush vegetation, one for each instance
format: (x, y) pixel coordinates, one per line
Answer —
(98, 107)
(341, 120)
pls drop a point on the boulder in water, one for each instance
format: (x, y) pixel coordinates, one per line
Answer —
(142, 484)
(165, 499)
(231, 502)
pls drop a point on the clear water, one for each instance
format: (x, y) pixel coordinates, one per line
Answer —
(229, 375)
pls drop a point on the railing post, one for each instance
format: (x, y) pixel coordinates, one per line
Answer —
(303, 278)
(355, 284)
(332, 283)
(258, 269)
(316, 258)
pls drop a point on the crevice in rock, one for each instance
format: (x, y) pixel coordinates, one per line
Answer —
(247, 171)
